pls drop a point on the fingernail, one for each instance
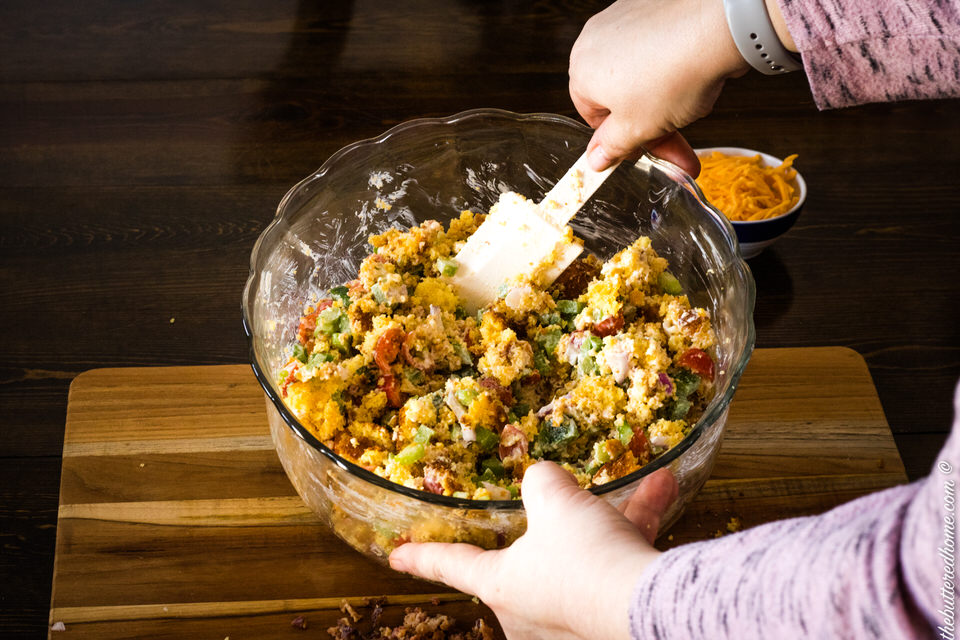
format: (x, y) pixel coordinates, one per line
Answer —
(598, 159)
(397, 564)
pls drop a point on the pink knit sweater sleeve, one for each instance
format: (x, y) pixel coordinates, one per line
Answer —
(882, 566)
(857, 51)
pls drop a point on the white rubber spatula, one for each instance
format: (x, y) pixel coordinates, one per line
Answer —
(519, 235)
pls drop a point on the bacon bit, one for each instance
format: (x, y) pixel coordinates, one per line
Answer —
(425, 363)
(299, 623)
(609, 326)
(532, 378)
(433, 479)
(698, 361)
(350, 611)
(575, 278)
(356, 288)
(390, 387)
(308, 323)
(690, 320)
(349, 446)
(616, 468)
(513, 443)
(640, 445)
(291, 369)
(387, 347)
(497, 389)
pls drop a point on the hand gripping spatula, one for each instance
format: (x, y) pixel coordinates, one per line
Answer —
(518, 236)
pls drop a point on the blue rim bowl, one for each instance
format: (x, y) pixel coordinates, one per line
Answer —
(756, 235)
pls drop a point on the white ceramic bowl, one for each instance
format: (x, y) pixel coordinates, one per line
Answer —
(756, 235)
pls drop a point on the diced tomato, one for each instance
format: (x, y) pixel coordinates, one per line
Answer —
(609, 326)
(308, 323)
(387, 347)
(698, 361)
(513, 444)
(392, 389)
(639, 445)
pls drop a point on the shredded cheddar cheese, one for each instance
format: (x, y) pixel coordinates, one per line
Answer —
(744, 189)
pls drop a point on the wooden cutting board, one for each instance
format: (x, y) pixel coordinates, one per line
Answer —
(177, 521)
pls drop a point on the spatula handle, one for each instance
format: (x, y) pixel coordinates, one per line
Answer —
(572, 191)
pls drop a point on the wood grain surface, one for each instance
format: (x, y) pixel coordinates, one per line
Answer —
(144, 146)
(176, 518)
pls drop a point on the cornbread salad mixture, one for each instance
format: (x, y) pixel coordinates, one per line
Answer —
(601, 372)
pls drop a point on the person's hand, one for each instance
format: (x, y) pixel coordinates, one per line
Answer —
(642, 69)
(572, 573)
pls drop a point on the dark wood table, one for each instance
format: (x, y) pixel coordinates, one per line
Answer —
(144, 146)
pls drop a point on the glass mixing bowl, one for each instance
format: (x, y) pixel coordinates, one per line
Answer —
(432, 169)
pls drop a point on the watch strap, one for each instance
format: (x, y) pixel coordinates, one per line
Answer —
(756, 39)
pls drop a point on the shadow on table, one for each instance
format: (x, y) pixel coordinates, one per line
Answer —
(292, 104)
(774, 288)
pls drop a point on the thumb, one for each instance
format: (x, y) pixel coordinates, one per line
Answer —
(462, 566)
(650, 501)
(546, 485)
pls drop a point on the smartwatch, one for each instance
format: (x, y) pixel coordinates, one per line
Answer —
(757, 40)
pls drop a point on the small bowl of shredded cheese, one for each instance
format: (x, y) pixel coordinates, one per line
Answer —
(761, 195)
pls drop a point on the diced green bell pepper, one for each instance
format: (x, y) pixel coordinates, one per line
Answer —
(679, 408)
(319, 358)
(423, 435)
(569, 308)
(487, 440)
(550, 319)
(415, 376)
(462, 352)
(341, 341)
(447, 267)
(549, 340)
(553, 437)
(587, 365)
(542, 362)
(410, 454)
(342, 294)
(670, 284)
(494, 465)
(686, 383)
(300, 353)
(466, 396)
(592, 343)
(331, 320)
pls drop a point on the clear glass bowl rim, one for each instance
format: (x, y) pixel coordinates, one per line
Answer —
(713, 412)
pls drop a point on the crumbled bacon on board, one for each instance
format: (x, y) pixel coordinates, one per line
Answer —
(417, 625)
